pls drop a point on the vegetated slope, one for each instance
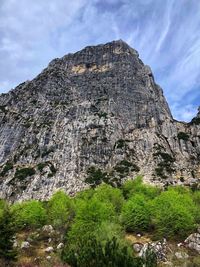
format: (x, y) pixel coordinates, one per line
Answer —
(132, 226)
(96, 115)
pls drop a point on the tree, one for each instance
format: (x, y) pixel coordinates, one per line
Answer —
(60, 209)
(7, 231)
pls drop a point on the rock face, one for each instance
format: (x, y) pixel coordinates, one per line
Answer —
(96, 115)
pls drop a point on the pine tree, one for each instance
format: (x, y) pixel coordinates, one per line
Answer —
(7, 231)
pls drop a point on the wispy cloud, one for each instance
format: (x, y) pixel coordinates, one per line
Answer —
(166, 34)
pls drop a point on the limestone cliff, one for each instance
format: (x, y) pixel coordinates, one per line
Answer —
(96, 115)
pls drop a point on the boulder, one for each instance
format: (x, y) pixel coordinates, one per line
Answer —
(193, 242)
(159, 248)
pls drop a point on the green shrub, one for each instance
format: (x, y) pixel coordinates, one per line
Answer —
(165, 166)
(41, 166)
(95, 176)
(124, 167)
(196, 197)
(21, 174)
(183, 136)
(173, 214)
(29, 214)
(8, 166)
(102, 115)
(93, 210)
(60, 209)
(195, 120)
(85, 194)
(107, 194)
(121, 143)
(93, 253)
(136, 214)
(90, 214)
(136, 186)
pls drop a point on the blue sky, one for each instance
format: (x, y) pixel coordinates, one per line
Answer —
(166, 33)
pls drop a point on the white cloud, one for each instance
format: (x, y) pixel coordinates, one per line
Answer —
(184, 113)
(166, 34)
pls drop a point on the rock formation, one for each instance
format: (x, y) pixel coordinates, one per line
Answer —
(96, 115)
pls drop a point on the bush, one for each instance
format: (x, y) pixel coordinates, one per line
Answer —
(173, 214)
(23, 173)
(60, 209)
(85, 194)
(136, 214)
(94, 211)
(195, 120)
(29, 214)
(89, 217)
(107, 194)
(183, 136)
(136, 186)
(93, 253)
(95, 176)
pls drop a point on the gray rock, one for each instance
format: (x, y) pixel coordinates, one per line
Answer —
(47, 228)
(193, 242)
(98, 107)
(60, 246)
(15, 244)
(181, 255)
(137, 247)
(49, 250)
(160, 248)
(25, 245)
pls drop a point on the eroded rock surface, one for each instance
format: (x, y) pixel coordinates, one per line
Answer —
(97, 112)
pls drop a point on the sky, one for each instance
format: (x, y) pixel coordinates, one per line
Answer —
(166, 33)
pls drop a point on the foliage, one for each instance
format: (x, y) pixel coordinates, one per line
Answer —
(183, 136)
(150, 258)
(8, 166)
(165, 165)
(90, 214)
(85, 194)
(93, 253)
(95, 176)
(41, 166)
(136, 186)
(195, 120)
(124, 167)
(21, 174)
(93, 210)
(136, 214)
(173, 214)
(29, 214)
(60, 209)
(107, 194)
(7, 232)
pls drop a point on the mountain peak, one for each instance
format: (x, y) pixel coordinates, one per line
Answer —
(93, 116)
